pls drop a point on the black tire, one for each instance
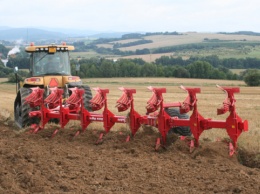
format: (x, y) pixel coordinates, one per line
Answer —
(181, 130)
(87, 95)
(21, 110)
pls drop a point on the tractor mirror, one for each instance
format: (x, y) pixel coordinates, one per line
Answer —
(15, 69)
(77, 67)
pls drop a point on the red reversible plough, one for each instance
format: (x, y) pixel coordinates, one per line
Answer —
(54, 107)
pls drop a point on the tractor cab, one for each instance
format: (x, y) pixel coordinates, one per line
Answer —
(49, 60)
(49, 68)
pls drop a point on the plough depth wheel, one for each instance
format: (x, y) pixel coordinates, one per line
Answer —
(180, 130)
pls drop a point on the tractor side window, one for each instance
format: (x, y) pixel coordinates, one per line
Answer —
(38, 63)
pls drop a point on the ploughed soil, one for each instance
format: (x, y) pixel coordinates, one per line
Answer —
(36, 163)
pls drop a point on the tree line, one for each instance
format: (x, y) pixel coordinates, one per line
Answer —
(140, 35)
(4, 51)
(139, 68)
(95, 67)
(134, 43)
(214, 60)
(208, 67)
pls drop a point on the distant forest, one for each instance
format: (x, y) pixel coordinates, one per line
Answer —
(139, 68)
(210, 67)
(166, 64)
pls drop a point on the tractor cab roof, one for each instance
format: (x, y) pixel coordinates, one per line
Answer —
(48, 48)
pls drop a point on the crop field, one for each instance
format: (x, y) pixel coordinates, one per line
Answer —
(220, 52)
(76, 55)
(188, 38)
(36, 163)
(148, 58)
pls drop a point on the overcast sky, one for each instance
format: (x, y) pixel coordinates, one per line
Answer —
(134, 15)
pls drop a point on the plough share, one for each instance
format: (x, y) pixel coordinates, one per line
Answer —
(53, 107)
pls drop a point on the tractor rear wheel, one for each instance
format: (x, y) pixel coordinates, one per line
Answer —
(21, 110)
(87, 95)
(181, 130)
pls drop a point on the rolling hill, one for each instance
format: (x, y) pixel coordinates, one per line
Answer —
(30, 34)
(37, 34)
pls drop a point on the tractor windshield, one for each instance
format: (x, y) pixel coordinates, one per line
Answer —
(50, 64)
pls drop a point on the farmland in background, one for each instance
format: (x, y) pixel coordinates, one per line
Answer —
(160, 41)
(189, 38)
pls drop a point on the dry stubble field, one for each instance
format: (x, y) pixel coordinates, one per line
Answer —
(187, 38)
(37, 164)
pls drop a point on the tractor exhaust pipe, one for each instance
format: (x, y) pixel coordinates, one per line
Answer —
(16, 78)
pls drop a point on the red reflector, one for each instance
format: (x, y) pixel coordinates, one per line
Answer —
(54, 82)
(34, 79)
(72, 78)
